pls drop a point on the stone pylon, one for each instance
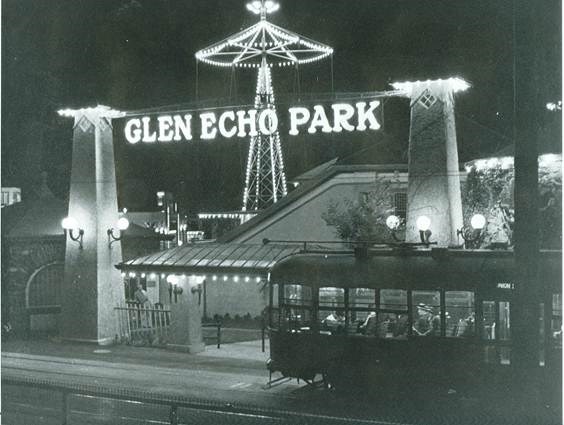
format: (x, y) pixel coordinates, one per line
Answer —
(433, 188)
(92, 285)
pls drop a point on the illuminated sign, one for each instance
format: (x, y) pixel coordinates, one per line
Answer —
(505, 285)
(332, 118)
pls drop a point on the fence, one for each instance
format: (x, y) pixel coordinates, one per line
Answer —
(140, 324)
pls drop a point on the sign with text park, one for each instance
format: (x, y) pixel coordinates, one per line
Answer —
(208, 124)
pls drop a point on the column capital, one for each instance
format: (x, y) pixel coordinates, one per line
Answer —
(96, 116)
(414, 88)
(99, 111)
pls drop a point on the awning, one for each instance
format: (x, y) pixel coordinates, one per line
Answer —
(212, 257)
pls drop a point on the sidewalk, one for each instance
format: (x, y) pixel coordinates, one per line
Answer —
(245, 355)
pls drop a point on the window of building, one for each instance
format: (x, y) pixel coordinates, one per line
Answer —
(400, 204)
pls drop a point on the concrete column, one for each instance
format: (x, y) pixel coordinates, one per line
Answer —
(185, 332)
(532, 63)
(92, 285)
(433, 188)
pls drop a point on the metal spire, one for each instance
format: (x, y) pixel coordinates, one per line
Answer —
(264, 46)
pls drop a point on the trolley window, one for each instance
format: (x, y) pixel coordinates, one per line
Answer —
(488, 320)
(297, 295)
(362, 298)
(496, 326)
(331, 298)
(460, 314)
(296, 307)
(384, 324)
(274, 311)
(381, 313)
(392, 314)
(393, 299)
(275, 295)
(556, 322)
(504, 321)
(361, 303)
(426, 313)
(331, 314)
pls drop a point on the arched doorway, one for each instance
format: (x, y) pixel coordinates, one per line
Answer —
(43, 297)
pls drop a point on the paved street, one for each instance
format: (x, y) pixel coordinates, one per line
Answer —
(227, 385)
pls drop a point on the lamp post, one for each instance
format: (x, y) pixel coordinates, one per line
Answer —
(121, 225)
(423, 224)
(70, 226)
(474, 232)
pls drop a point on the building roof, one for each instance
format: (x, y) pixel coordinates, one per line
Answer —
(315, 172)
(42, 218)
(301, 190)
(209, 257)
(34, 219)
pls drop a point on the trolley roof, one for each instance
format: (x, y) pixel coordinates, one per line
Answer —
(413, 269)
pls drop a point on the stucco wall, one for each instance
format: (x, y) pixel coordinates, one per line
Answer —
(236, 298)
(20, 258)
(302, 219)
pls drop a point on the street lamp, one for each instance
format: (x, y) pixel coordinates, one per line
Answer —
(122, 224)
(472, 233)
(70, 226)
(393, 222)
(423, 224)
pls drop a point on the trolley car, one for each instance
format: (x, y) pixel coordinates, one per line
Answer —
(418, 316)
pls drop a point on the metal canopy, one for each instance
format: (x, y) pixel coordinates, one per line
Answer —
(199, 258)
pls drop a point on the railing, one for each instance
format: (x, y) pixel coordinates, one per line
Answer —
(141, 324)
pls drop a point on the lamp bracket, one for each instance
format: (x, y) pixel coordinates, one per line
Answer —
(112, 237)
(76, 237)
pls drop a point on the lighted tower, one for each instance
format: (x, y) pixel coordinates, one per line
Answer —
(264, 46)
(433, 188)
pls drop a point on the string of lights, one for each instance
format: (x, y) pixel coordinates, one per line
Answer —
(263, 46)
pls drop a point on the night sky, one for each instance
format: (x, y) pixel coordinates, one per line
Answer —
(137, 54)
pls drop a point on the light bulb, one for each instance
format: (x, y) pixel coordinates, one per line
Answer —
(122, 223)
(478, 221)
(393, 222)
(423, 223)
(69, 223)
